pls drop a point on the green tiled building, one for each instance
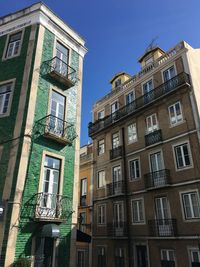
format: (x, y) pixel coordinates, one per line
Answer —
(41, 60)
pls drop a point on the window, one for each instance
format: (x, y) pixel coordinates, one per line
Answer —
(147, 88)
(182, 155)
(62, 58)
(82, 258)
(101, 256)
(101, 147)
(82, 221)
(130, 97)
(14, 43)
(84, 187)
(152, 123)
(167, 258)
(132, 133)
(101, 179)
(137, 211)
(195, 257)
(175, 113)
(115, 140)
(134, 169)
(101, 214)
(5, 97)
(191, 205)
(149, 60)
(120, 257)
(116, 174)
(101, 114)
(169, 74)
(118, 82)
(114, 107)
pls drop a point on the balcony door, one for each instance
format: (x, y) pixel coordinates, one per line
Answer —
(62, 56)
(57, 114)
(50, 187)
(157, 165)
(117, 180)
(163, 216)
(119, 218)
(141, 255)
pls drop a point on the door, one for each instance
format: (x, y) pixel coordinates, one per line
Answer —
(119, 218)
(168, 75)
(157, 165)
(141, 254)
(147, 88)
(57, 125)
(50, 187)
(44, 252)
(163, 216)
(62, 56)
(117, 180)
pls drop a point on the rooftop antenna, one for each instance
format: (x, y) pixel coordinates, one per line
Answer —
(152, 44)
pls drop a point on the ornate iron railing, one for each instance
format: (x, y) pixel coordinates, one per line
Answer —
(163, 227)
(61, 71)
(116, 152)
(57, 129)
(140, 102)
(157, 179)
(116, 188)
(117, 229)
(153, 137)
(52, 207)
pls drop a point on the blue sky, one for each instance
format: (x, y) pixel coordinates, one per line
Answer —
(117, 33)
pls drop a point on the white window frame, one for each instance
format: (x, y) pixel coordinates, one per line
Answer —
(153, 127)
(101, 214)
(116, 103)
(135, 138)
(189, 153)
(167, 251)
(85, 252)
(167, 68)
(100, 114)
(127, 95)
(118, 82)
(101, 147)
(147, 83)
(103, 182)
(129, 164)
(12, 81)
(5, 57)
(115, 136)
(176, 121)
(83, 186)
(192, 210)
(140, 221)
(190, 256)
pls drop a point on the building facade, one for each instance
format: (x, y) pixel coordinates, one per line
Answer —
(41, 60)
(146, 164)
(84, 245)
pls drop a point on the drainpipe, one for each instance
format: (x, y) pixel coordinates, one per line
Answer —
(126, 197)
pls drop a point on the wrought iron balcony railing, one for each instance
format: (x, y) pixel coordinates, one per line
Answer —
(153, 137)
(157, 179)
(117, 229)
(116, 188)
(61, 71)
(116, 152)
(52, 207)
(57, 129)
(163, 227)
(140, 102)
(83, 201)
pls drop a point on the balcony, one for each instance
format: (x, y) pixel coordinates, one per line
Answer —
(83, 200)
(117, 229)
(138, 104)
(52, 207)
(116, 188)
(163, 227)
(153, 137)
(61, 72)
(116, 152)
(157, 179)
(56, 129)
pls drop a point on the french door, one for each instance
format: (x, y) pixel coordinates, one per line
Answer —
(57, 126)
(163, 216)
(157, 165)
(119, 218)
(62, 56)
(117, 180)
(50, 186)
